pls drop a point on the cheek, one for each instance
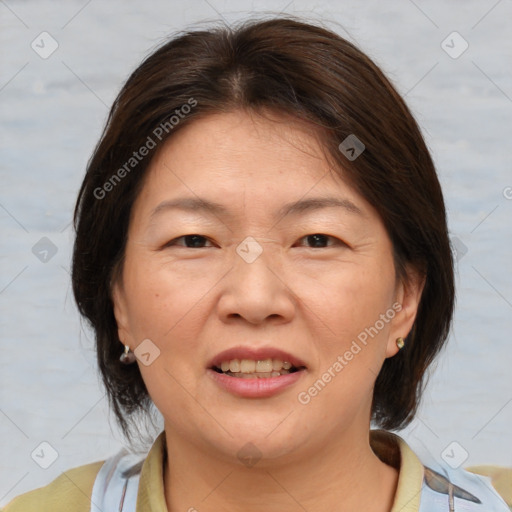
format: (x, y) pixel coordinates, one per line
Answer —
(163, 300)
(351, 299)
(350, 303)
(165, 306)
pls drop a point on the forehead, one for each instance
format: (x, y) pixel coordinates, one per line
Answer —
(229, 138)
(244, 158)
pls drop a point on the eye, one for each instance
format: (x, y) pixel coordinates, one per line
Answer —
(189, 241)
(319, 240)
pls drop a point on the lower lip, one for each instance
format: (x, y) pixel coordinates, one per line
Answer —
(257, 387)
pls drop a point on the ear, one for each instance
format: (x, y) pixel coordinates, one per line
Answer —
(121, 313)
(407, 298)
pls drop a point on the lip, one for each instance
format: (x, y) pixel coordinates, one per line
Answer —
(257, 354)
(256, 387)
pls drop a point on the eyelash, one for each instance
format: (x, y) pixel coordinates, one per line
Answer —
(172, 243)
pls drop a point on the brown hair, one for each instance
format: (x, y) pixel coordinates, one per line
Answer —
(293, 68)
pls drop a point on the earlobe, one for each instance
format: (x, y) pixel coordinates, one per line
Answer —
(409, 293)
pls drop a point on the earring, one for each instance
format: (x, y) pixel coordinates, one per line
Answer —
(127, 357)
(400, 343)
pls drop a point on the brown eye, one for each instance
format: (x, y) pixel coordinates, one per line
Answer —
(189, 241)
(319, 240)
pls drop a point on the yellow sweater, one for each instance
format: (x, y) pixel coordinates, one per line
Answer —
(72, 490)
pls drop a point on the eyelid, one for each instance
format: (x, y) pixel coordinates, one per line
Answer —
(172, 242)
(335, 241)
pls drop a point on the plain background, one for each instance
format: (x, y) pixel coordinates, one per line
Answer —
(53, 110)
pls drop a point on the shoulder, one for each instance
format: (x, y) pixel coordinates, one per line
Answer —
(444, 487)
(70, 491)
(102, 486)
(470, 491)
(500, 478)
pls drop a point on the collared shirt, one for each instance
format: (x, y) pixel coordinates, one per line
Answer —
(124, 483)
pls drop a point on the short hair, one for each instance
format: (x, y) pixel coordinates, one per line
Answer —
(290, 67)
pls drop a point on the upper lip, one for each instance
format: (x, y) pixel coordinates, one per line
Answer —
(256, 354)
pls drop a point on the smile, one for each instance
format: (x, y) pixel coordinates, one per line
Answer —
(256, 369)
(255, 372)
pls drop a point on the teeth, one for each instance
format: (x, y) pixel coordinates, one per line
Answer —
(249, 368)
(257, 375)
(234, 365)
(264, 366)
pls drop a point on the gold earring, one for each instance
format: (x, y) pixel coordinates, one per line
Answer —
(400, 343)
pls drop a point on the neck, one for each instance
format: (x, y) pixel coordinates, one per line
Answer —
(345, 477)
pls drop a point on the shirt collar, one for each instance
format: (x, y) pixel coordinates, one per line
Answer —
(393, 450)
(151, 496)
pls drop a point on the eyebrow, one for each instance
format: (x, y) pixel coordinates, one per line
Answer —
(295, 208)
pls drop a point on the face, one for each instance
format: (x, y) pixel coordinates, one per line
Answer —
(248, 254)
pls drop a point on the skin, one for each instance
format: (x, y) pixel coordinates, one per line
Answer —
(309, 298)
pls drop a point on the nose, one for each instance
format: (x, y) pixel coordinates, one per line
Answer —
(257, 291)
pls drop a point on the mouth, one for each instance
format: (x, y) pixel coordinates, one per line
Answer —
(255, 373)
(256, 369)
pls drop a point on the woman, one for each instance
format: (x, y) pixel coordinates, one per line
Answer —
(262, 251)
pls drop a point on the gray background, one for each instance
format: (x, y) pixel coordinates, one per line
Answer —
(52, 113)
